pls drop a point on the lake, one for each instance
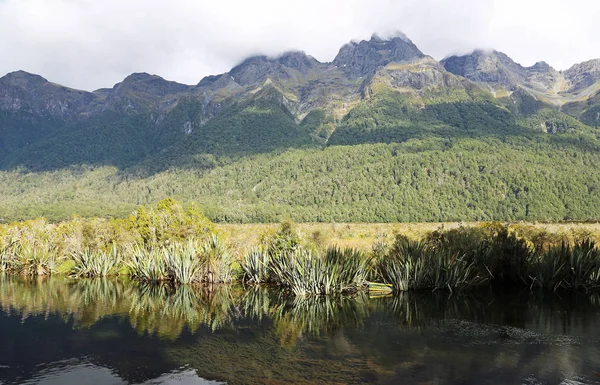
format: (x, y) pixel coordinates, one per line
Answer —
(66, 331)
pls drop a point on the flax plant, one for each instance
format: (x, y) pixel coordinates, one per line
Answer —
(95, 263)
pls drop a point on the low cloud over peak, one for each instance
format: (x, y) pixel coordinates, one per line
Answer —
(88, 44)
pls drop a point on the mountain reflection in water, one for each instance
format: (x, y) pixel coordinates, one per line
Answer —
(115, 331)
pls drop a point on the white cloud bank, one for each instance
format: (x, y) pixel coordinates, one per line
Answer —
(90, 44)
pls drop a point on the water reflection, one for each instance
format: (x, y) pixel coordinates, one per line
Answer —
(116, 331)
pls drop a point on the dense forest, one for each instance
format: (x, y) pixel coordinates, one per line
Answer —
(432, 179)
(372, 137)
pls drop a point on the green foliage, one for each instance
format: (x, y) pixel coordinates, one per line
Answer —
(36, 259)
(241, 129)
(147, 265)
(392, 117)
(546, 177)
(591, 116)
(552, 121)
(306, 273)
(567, 267)
(170, 221)
(497, 252)
(285, 240)
(8, 256)
(217, 261)
(256, 267)
(95, 263)
(416, 265)
(182, 263)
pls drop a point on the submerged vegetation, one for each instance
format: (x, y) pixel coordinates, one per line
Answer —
(176, 245)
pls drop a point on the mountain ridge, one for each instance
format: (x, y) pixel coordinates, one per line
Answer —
(382, 127)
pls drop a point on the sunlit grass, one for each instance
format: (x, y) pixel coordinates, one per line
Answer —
(95, 263)
(305, 272)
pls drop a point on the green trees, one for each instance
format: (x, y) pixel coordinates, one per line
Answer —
(170, 221)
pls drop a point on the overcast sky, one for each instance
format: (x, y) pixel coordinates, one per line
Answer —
(90, 44)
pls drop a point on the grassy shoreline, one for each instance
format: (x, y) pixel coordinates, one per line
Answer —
(362, 236)
(177, 245)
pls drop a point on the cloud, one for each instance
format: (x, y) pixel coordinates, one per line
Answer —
(91, 44)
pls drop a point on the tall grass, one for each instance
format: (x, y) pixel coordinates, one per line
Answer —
(8, 257)
(306, 273)
(147, 265)
(415, 265)
(95, 263)
(567, 267)
(182, 263)
(217, 261)
(504, 256)
(36, 259)
(256, 267)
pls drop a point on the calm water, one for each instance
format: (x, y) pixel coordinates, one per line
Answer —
(61, 331)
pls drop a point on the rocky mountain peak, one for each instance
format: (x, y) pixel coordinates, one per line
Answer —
(541, 66)
(583, 75)
(252, 70)
(298, 60)
(153, 84)
(488, 66)
(257, 69)
(363, 58)
(23, 91)
(23, 79)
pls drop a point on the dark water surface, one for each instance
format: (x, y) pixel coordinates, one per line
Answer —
(62, 331)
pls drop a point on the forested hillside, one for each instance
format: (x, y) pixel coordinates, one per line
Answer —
(432, 179)
(383, 133)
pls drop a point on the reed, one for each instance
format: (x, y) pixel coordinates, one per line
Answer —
(182, 263)
(36, 259)
(147, 265)
(573, 267)
(306, 273)
(95, 263)
(256, 267)
(415, 265)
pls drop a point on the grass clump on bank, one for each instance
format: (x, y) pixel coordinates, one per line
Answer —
(177, 245)
(284, 262)
(95, 263)
(417, 265)
(334, 272)
(182, 263)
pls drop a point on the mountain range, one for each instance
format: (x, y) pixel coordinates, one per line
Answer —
(379, 95)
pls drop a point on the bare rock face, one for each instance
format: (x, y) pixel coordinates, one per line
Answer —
(495, 69)
(300, 61)
(25, 92)
(290, 65)
(417, 75)
(542, 77)
(583, 75)
(365, 57)
(140, 92)
(487, 67)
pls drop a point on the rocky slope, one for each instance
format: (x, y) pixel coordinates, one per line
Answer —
(497, 72)
(266, 103)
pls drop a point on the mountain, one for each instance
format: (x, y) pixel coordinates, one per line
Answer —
(364, 58)
(499, 73)
(383, 132)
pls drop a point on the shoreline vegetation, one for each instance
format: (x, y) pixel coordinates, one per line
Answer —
(175, 245)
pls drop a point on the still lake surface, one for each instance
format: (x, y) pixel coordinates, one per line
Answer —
(62, 331)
